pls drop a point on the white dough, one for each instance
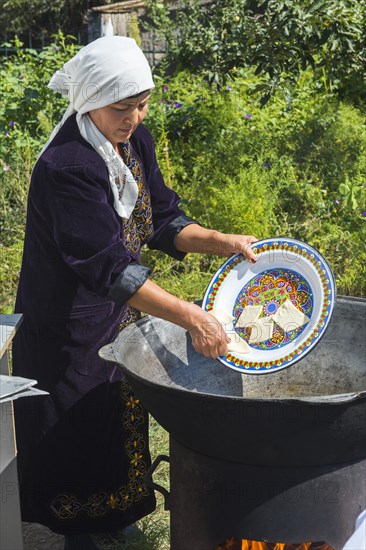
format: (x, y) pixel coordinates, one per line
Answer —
(262, 329)
(237, 344)
(248, 315)
(288, 317)
(222, 316)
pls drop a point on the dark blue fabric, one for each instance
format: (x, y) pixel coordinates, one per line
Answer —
(75, 278)
(128, 282)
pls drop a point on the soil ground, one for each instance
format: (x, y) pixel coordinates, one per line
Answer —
(38, 537)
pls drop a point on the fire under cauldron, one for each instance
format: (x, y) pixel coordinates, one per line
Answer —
(277, 457)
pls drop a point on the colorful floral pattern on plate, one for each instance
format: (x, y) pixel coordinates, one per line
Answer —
(310, 286)
(271, 289)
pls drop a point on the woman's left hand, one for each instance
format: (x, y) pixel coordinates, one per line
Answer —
(195, 238)
(235, 244)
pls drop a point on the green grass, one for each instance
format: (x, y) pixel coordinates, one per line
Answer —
(10, 262)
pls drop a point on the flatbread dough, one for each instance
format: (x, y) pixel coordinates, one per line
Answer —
(289, 318)
(237, 344)
(222, 316)
(248, 315)
(262, 329)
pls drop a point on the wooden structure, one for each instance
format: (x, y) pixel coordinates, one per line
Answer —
(122, 18)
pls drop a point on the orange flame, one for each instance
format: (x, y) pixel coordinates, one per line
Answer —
(235, 544)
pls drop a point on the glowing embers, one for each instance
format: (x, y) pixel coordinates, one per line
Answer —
(237, 544)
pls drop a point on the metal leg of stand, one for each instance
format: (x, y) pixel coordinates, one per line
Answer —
(11, 537)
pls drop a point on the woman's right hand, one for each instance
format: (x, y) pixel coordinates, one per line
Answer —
(208, 336)
(207, 333)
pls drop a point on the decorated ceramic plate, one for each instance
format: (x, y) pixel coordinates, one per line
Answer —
(277, 308)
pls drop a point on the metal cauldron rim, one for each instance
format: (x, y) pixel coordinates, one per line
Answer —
(107, 353)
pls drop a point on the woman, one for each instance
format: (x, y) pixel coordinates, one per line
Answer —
(96, 196)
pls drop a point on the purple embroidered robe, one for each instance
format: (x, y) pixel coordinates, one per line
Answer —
(83, 449)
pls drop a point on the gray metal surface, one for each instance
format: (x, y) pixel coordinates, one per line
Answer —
(334, 371)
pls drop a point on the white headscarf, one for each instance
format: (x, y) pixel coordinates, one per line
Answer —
(105, 71)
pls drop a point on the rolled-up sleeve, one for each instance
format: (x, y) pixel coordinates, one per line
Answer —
(127, 282)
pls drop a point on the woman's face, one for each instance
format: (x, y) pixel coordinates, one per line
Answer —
(119, 120)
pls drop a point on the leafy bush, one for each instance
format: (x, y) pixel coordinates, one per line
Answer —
(279, 39)
(26, 100)
(28, 112)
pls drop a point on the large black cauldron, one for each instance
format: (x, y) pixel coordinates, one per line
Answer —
(304, 422)
(312, 413)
